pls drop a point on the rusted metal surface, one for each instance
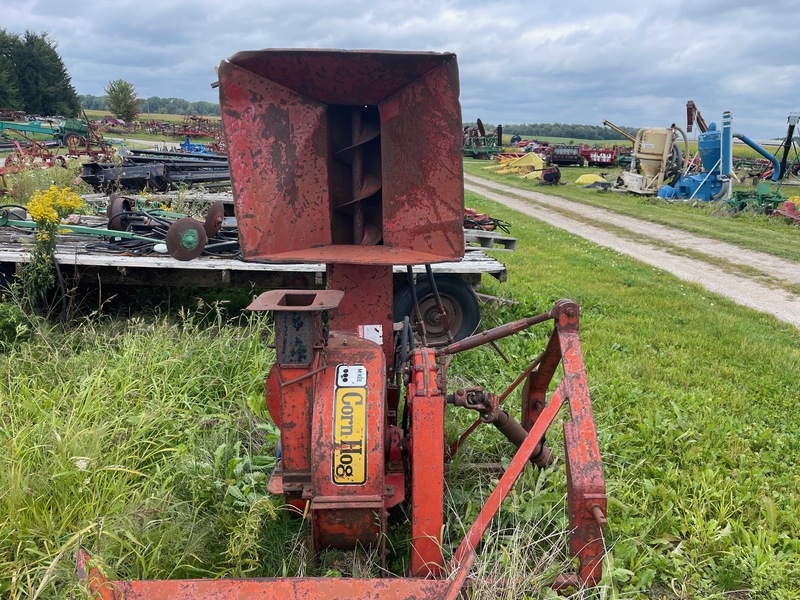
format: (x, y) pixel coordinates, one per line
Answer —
(214, 219)
(297, 300)
(347, 445)
(366, 309)
(586, 488)
(492, 335)
(317, 180)
(327, 166)
(534, 392)
(586, 497)
(426, 454)
(277, 588)
(348, 513)
(541, 456)
(466, 549)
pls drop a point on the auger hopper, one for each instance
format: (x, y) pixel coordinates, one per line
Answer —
(353, 158)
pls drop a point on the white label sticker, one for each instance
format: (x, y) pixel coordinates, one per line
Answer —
(373, 333)
(351, 376)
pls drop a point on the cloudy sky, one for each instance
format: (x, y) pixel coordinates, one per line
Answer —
(635, 63)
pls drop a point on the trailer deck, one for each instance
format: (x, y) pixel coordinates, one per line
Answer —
(75, 256)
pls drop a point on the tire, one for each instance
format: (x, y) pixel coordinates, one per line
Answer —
(459, 301)
(73, 141)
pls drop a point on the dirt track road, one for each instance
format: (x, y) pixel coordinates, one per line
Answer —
(651, 244)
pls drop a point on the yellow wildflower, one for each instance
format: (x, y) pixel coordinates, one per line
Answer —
(67, 200)
(50, 205)
(41, 208)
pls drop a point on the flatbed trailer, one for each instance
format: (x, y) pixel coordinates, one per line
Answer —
(83, 265)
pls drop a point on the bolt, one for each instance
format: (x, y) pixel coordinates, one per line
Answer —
(190, 239)
(597, 513)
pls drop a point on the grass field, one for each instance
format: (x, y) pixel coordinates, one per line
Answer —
(143, 117)
(145, 440)
(755, 232)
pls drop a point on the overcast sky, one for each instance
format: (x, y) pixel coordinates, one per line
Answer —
(635, 63)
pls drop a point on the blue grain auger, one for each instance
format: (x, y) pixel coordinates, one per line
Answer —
(715, 148)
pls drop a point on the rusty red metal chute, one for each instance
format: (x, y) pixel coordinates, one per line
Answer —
(354, 159)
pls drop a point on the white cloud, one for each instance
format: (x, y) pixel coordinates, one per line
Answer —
(632, 62)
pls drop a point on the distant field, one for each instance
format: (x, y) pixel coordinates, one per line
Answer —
(143, 117)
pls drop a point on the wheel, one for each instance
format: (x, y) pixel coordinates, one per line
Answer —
(117, 213)
(186, 239)
(214, 218)
(460, 304)
(14, 160)
(74, 141)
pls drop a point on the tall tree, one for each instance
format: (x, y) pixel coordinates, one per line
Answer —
(43, 80)
(90, 102)
(121, 99)
(9, 90)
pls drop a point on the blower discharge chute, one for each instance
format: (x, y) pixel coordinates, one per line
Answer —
(353, 158)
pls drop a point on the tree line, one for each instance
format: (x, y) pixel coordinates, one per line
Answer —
(156, 104)
(572, 131)
(33, 77)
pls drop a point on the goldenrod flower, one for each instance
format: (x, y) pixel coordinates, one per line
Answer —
(51, 205)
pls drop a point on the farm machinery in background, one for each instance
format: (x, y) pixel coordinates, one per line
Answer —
(759, 169)
(657, 157)
(78, 136)
(528, 165)
(477, 144)
(157, 171)
(624, 156)
(663, 164)
(693, 117)
(371, 177)
(578, 155)
(765, 198)
(714, 181)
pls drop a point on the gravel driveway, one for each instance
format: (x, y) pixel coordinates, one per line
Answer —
(652, 246)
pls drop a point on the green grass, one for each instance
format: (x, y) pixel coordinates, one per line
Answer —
(146, 441)
(754, 232)
(115, 439)
(26, 182)
(694, 404)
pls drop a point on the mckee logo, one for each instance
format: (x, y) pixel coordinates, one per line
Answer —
(349, 464)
